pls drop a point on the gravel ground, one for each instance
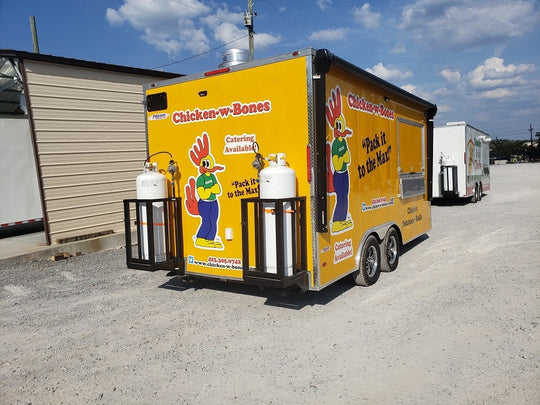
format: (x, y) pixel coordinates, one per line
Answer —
(456, 323)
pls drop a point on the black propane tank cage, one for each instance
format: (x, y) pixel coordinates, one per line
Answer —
(449, 181)
(254, 238)
(157, 223)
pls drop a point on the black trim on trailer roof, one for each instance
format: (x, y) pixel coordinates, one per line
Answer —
(324, 59)
(10, 53)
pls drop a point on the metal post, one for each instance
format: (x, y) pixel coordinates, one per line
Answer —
(34, 33)
(248, 23)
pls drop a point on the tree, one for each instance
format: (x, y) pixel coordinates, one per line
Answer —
(505, 148)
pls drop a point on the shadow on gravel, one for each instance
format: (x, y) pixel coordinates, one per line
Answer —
(290, 298)
(415, 242)
(451, 202)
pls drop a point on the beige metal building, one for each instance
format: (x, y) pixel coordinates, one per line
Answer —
(87, 130)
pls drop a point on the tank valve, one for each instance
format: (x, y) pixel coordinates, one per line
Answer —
(172, 170)
(258, 161)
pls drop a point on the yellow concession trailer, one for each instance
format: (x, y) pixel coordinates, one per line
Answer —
(298, 170)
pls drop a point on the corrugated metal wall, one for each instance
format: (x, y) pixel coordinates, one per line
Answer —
(90, 134)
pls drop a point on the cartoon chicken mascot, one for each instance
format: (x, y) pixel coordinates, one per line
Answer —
(338, 153)
(207, 188)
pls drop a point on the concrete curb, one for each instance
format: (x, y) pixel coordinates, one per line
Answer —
(113, 241)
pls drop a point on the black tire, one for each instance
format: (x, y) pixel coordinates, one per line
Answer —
(480, 192)
(369, 268)
(474, 198)
(390, 250)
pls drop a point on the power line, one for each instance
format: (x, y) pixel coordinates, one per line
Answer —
(513, 131)
(200, 54)
(506, 133)
(261, 38)
(287, 21)
(519, 137)
(204, 11)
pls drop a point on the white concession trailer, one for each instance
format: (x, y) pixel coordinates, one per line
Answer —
(460, 161)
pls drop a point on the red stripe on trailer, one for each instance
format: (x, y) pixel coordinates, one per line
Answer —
(29, 221)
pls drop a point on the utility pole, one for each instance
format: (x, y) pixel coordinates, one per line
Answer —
(248, 23)
(34, 33)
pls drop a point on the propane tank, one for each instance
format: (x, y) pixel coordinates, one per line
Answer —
(152, 185)
(447, 160)
(278, 181)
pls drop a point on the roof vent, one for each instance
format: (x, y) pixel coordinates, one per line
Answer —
(232, 57)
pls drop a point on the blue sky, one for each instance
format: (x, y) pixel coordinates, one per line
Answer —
(478, 60)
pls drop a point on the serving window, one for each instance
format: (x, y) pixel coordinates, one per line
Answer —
(411, 157)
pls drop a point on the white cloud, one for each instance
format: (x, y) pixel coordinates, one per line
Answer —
(221, 16)
(444, 108)
(185, 38)
(493, 73)
(324, 4)
(331, 34)
(398, 49)
(463, 24)
(167, 25)
(226, 32)
(163, 14)
(445, 91)
(366, 17)
(476, 95)
(389, 72)
(263, 40)
(174, 27)
(410, 88)
(496, 94)
(451, 76)
(114, 17)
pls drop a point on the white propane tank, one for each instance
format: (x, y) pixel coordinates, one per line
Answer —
(152, 185)
(447, 160)
(278, 181)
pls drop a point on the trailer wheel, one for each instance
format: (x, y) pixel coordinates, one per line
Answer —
(390, 249)
(474, 197)
(369, 268)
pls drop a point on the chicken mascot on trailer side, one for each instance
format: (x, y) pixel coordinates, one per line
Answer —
(207, 188)
(338, 154)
